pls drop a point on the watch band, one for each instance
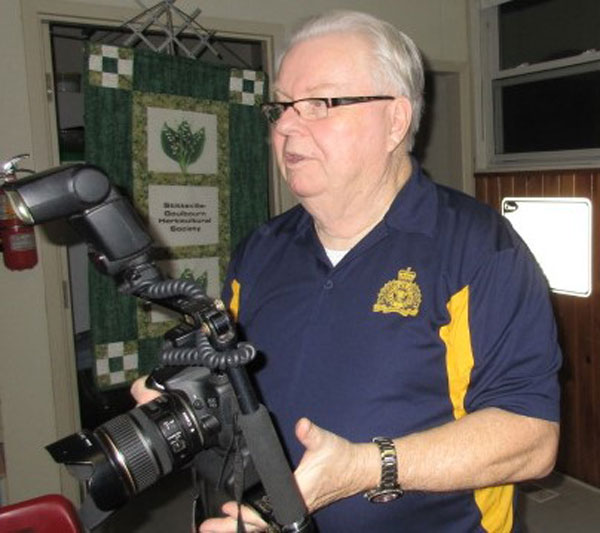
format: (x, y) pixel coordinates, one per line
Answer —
(389, 488)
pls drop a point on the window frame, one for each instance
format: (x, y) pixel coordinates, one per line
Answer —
(486, 69)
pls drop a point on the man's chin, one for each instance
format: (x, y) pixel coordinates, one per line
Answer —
(305, 188)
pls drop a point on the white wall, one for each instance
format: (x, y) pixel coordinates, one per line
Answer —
(439, 27)
(28, 333)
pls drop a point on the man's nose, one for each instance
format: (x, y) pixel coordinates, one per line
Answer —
(289, 122)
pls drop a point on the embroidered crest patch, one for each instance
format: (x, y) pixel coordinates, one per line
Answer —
(401, 295)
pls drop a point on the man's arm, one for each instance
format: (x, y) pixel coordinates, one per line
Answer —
(485, 448)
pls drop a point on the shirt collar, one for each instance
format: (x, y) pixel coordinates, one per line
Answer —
(415, 207)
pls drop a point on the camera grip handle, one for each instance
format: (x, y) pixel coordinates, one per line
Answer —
(274, 470)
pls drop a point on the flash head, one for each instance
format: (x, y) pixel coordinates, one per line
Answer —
(83, 195)
(57, 193)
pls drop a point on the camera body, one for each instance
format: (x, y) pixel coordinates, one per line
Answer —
(192, 422)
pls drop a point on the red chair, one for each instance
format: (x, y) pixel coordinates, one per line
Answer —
(52, 513)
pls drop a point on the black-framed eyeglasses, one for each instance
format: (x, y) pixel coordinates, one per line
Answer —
(314, 108)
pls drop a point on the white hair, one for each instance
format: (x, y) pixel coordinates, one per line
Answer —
(398, 66)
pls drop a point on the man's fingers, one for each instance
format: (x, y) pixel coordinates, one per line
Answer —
(252, 521)
(249, 516)
(141, 393)
(225, 525)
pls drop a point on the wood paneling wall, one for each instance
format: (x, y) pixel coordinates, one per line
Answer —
(578, 319)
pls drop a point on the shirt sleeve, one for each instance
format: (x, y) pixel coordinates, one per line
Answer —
(513, 336)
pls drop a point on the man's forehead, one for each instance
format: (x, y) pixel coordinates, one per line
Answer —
(324, 64)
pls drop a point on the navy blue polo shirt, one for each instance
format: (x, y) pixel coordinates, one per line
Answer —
(438, 312)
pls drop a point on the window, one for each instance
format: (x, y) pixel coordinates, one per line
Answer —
(539, 100)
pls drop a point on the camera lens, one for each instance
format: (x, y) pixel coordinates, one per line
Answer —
(132, 451)
(150, 441)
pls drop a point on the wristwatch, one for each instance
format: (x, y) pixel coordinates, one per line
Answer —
(389, 488)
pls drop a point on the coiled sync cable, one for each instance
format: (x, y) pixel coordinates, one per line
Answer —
(203, 354)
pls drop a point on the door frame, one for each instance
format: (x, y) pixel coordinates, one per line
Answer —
(461, 74)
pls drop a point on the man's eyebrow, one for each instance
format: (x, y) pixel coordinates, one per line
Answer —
(278, 93)
(316, 91)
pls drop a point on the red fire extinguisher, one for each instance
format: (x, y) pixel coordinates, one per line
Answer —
(18, 240)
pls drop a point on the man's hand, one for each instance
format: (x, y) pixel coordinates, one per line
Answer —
(332, 468)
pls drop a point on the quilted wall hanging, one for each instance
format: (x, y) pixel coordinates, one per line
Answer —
(186, 142)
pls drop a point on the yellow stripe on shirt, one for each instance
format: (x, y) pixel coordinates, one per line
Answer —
(234, 304)
(494, 503)
(459, 355)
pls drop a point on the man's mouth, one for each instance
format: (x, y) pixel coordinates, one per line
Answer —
(292, 158)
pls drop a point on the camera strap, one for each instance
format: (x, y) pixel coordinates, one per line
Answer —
(238, 474)
(259, 504)
(234, 453)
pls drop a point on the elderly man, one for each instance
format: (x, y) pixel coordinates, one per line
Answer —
(408, 342)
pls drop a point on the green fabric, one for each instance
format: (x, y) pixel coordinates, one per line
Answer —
(159, 125)
(249, 188)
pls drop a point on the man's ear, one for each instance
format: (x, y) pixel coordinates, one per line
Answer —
(401, 117)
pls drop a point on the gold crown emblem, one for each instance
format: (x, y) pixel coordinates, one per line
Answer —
(407, 275)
